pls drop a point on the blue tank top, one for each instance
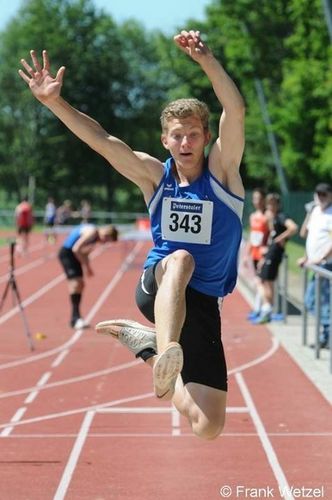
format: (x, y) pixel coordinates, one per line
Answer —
(203, 218)
(75, 234)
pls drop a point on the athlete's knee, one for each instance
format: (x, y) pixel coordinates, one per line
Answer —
(209, 429)
(183, 260)
(76, 285)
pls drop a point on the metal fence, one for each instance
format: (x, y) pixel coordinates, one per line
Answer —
(319, 274)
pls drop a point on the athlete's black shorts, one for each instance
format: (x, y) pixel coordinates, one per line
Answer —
(204, 359)
(71, 265)
(272, 260)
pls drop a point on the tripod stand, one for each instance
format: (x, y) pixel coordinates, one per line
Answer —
(11, 283)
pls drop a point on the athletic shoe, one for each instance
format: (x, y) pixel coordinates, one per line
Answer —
(253, 315)
(262, 319)
(80, 324)
(166, 370)
(133, 335)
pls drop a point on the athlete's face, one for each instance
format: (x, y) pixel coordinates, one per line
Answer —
(186, 139)
(258, 200)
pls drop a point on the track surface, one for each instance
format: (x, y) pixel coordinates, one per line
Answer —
(78, 419)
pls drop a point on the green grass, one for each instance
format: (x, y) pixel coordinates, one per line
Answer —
(294, 252)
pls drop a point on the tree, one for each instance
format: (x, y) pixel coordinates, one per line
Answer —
(102, 63)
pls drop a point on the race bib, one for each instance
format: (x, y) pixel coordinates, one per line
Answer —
(187, 221)
(256, 238)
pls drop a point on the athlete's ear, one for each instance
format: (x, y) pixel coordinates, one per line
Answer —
(207, 138)
(164, 141)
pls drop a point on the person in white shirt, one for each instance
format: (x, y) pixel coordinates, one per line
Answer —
(317, 228)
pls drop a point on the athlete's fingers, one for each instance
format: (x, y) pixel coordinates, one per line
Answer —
(46, 62)
(35, 61)
(27, 67)
(24, 76)
(60, 73)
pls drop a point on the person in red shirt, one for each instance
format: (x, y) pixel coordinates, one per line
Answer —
(257, 244)
(24, 222)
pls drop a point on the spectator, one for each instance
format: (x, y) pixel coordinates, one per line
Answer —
(85, 212)
(257, 244)
(24, 222)
(74, 258)
(317, 228)
(49, 220)
(281, 229)
(64, 212)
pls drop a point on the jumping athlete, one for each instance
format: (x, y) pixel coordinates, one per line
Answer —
(195, 205)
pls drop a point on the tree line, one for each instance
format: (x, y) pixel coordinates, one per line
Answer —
(121, 74)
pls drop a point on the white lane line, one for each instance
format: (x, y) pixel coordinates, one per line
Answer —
(76, 411)
(42, 381)
(58, 360)
(33, 297)
(176, 429)
(98, 435)
(263, 436)
(259, 359)
(16, 418)
(74, 456)
(38, 246)
(78, 333)
(28, 267)
(74, 380)
(94, 309)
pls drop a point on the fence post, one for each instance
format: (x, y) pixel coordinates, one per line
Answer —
(284, 296)
(317, 313)
(330, 331)
(304, 309)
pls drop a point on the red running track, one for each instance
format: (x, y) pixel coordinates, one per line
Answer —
(79, 420)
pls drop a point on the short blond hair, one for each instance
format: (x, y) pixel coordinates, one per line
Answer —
(183, 108)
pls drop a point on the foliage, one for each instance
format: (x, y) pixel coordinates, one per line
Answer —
(122, 75)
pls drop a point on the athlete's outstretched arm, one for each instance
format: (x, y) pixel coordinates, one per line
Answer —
(47, 89)
(231, 129)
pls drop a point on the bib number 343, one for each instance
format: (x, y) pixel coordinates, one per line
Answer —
(188, 221)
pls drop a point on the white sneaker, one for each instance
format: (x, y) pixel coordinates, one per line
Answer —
(80, 324)
(133, 335)
(166, 370)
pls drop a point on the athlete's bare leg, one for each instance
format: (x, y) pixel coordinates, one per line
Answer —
(203, 406)
(172, 275)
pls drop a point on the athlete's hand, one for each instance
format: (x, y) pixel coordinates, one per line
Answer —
(42, 84)
(190, 43)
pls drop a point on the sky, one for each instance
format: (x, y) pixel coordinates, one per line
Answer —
(164, 15)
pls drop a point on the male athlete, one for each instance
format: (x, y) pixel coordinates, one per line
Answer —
(195, 204)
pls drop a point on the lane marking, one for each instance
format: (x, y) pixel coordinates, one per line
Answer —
(92, 312)
(28, 267)
(42, 381)
(58, 360)
(263, 436)
(98, 435)
(77, 411)
(259, 359)
(37, 246)
(74, 456)
(14, 420)
(32, 298)
(125, 265)
(73, 380)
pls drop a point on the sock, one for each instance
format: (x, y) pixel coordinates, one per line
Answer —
(146, 353)
(75, 299)
(257, 303)
(266, 309)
